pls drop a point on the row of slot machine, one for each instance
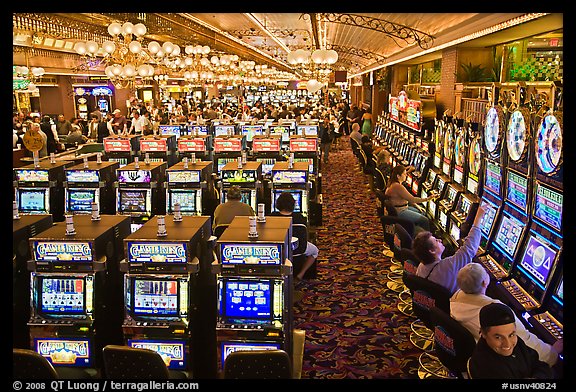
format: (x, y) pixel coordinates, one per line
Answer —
(142, 189)
(93, 283)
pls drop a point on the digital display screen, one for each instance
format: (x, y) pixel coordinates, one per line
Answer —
(134, 176)
(250, 131)
(186, 199)
(517, 190)
(246, 196)
(173, 353)
(156, 297)
(463, 205)
(454, 231)
(221, 162)
(281, 130)
(451, 194)
(223, 130)
(65, 352)
(133, 201)
(62, 296)
(559, 292)
(247, 299)
(508, 235)
(183, 176)
(443, 219)
(296, 195)
(33, 201)
(267, 165)
(538, 258)
(80, 200)
(198, 129)
(492, 177)
(548, 206)
(440, 184)
(82, 176)
(289, 177)
(229, 347)
(261, 254)
(307, 130)
(169, 130)
(431, 177)
(239, 175)
(31, 175)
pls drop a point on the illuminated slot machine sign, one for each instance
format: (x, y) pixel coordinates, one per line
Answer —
(413, 114)
(549, 150)
(517, 135)
(224, 130)
(169, 130)
(227, 145)
(493, 178)
(517, 190)
(439, 132)
(191, 144)
(32, 176)
(152, 145)
(251, 130)
(226, 348)
(250, 302)
(239, 176)
(116, 145)
(297, 195)
(474, 166)
(198, 129)
(303, 145)
(459, 158)
(71, 352)
(393, 108)
(307, 130)
(158, 298)
(266, 145)
(289, 177)
(250, 254)
(548, 207)
(493, 131)
(173, 352)
(63, 251)
(448, 147)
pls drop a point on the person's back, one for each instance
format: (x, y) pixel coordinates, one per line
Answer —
(355, 134)
(225, 212)
(76, 137)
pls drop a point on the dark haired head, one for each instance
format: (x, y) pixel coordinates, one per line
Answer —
(397, 171)
(285, 202)
(234, 193)
(421, 246)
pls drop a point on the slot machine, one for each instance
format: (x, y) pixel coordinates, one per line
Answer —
(23, 228)
(266, 149)
(191, 185)
(446, 190)
(307, 129)
(305, 149)
(140, 191)
(465, 158)
(536, 281)
(247, 176)
(91, 182)
(170, 129)
(251, 130)
(75, 289)
(254, 287)
(40, 189)
(227, 149)
(430, 183)
(159, 148)
(122, 149)
(195, 147)
(294, 180)
(282, 130)
(422, 163)
(168, 305)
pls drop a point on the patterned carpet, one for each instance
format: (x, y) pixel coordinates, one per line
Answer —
(353, 327)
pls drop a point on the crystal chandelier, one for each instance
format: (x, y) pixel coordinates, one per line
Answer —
(24, 78)
(315, 66)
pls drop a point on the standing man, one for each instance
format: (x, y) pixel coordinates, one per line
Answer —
(326, 138)
(118, 123)
(354, 116)
(104, 127)
(63, 126)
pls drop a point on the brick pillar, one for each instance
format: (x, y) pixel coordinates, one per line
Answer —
(446, 98)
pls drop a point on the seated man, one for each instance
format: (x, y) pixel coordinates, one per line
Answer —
(285, 205)
(429, 250)
(500, 353)
(225, 212)
(465, 305)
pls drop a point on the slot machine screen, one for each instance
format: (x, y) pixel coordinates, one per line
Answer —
(169, 130)
(30, 175)
(548, 206)
(508, 234)
(492, 177)
(82, 176)
(250, 131)
(517, 190)
(80, 200)
(33, 201)
(267, 165)
(134, 200)
(558, 294)
(463, 205)
(221, 162)
(281, 130)
(134, 176)
(297, 195)
(440, 185)
(186, 198)
(157, 297)
(307, 130)
(223, 130)
(248, 301)
(173, 352)
(431, 177)
(246, 196)
(64, 296)
(454, 231)
(229, 347)
(451, 196)
(538, 259)
(239, 175)
(198, 129)
(443, 219)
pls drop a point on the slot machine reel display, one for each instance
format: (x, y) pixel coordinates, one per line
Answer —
(89, 183)
(192, 186)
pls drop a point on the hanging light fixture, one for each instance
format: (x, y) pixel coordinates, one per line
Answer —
(25, 78)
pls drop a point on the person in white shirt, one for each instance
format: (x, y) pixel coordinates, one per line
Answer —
(140, 124)
(466, 303)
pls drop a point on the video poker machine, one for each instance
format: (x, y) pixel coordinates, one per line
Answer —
(536, 279)
(422, 161)
(196, 147)
(247, 176)
(191, 185)
(227, 149)
(250, 131)
(268, 150)
(39, 189)
(159, 148)
(254, 287)
(294, 180)
(462, 216)
(76, 289)
(91, 182)
(305, 149)
(140, 191)
(432, 185)
(122, 149)
(23, 228)
(169, 293)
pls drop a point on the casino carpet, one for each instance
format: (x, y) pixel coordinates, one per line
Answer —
(353, 327)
